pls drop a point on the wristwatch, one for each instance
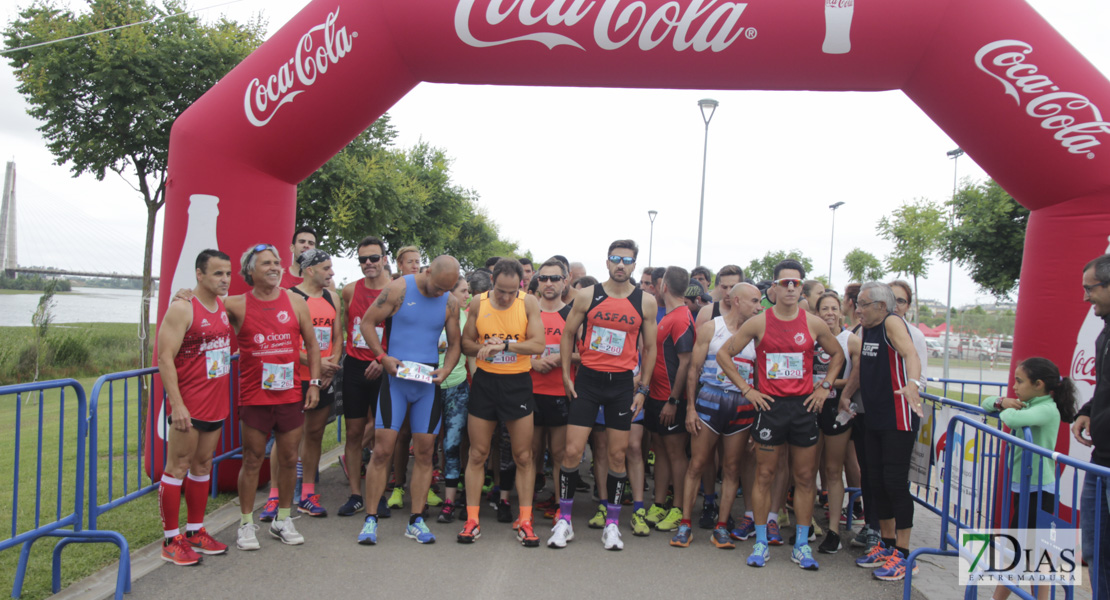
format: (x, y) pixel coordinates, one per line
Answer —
(506, 345)
(315, 382)
(826, 385)
(673, 401)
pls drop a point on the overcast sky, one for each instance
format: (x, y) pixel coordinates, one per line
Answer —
(566, 170)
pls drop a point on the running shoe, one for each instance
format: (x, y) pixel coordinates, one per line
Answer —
(527, 536)
(561, 533)
(860, 540)
(447, 515)
(397, 498)
(550, 512)
(202, 543)
(418, 530)
(875, 557)
(504, 512)
(894, 569)
(639, 523)
(790, 498)
(651, 458)
(470, 532)
(392, 483)
(437, 477)
(269, 511)
(611, 537)
(760, 555)
(550, 502)
(670, 522)
(311, 506)
(831, 543)
(246, 540)
(682, 537)
(286, 532)
(823, 500)
(383, 509)
(708, 519)
(803, 555)
(179, 552)
(784, 518)
(433, 499)
(488, 485)
(626, 495)
(774, 538)
(655, 514)
(598, 520)
(369, 534)
(720, 538)
(745, 530)
(857, 514)
(351, 506)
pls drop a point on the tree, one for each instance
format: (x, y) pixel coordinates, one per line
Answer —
(863, 266)
(988, 237)
(44, 315)
(764, 268)
(917, 230)
(107, 101)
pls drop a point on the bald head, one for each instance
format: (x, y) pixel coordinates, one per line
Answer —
(746, 300)
(442, 275)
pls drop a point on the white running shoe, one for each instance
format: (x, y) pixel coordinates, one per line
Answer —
(246, 539)
(286, 532)
(561, 533)
(611, 537)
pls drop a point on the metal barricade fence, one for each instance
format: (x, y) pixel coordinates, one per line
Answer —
(49, 477)
(995, 388)
(979, 458)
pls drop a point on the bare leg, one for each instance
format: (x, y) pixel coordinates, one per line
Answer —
(423, 447)
(254, 448)
(634, 459)
(385, 440)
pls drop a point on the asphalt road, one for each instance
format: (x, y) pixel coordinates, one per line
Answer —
(331, 564)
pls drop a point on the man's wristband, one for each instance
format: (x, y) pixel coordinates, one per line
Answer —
(643, 389)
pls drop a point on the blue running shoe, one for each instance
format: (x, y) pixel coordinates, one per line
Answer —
(311, 506)
(721, 539)
(269, 511)
(803, 555)
(773, 536)
(745, 530)
(875, 557)
(759, 556)
(418, 531)
(894, 569)
(383, 509)
(681, 538)
(369, 534)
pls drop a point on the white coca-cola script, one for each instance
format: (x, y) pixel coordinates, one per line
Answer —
(1073, 116)
(701, 25)
(319, 48)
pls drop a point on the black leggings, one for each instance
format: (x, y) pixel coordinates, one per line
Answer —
(859, 432)
(889, 474)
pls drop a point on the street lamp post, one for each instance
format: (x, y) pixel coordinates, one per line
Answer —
(955, 156)
(832, 236)
(703, 104)
(651, 240)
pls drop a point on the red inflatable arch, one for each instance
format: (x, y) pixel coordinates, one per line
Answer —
(991, 73)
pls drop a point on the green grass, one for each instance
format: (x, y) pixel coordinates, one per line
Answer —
(108, 348)
(137, 520)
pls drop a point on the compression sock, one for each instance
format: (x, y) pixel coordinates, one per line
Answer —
(614, 484)
(568, 481)
(196, 500)
(169, 505)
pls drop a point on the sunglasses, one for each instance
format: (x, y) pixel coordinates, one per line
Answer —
(616, 260)
(371, 258)
(788, 282)
(547, 278)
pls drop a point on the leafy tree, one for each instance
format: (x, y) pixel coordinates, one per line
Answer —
(41, 320)
(863, 266)
(917, 230)
(107, 101)
(989, 236)
(764, 268)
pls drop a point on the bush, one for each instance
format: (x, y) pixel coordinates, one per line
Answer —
(25, 365)
(69, 350)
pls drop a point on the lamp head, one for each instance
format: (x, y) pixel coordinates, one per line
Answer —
(707, 103)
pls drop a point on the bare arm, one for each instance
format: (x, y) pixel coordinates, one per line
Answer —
(454, 348)
(304, 320)
(236, 307)
(470, 342)
(575, 319)
(697, 358)
(899, 335)
(384, 306)
(175, 324)
(534, 342)
(851, 382)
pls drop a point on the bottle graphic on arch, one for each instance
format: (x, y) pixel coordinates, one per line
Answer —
(838, 26)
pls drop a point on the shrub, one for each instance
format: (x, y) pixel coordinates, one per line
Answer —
(69, 350)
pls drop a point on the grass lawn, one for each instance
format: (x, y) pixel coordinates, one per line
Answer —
(109, 348)
(137, 520)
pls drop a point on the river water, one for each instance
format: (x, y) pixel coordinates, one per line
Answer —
(83, 305)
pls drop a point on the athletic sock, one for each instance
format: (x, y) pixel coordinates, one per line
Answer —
(614, 484)
(472, 513)
(761, 534)
(413, 518)
(710, 500)
(169, 505)
(637, 506)
(612, 513)
(283, 514)
(196, 499)
(307, 489)
(246, 519)
(525, 513)
(273, 493)
(905, 551)
(685, 522)
(888, 542)
(801, 536)
(773, 516)
(721, 524)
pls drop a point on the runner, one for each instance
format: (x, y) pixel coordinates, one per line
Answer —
(270, 323)
(720, 410)
(304, 238)
(194, 360)
(787, 400)
(456, 397)
(362, 370)
(728, 276)
(613, 313)
(421, 308)
(503, 328)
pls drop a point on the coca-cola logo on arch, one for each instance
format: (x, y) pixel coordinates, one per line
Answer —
(318, 49)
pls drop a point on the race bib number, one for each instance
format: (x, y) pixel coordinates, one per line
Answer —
(360, 342)
(323, 337)
(503, 358)
(550, 349)
(785, 365)
(219, 362)
(743, 366)
(414, 371)
(277, 377)
(607, 341)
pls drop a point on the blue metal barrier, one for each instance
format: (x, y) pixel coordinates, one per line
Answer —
(67, 523)
(994, 388)
(997, 513)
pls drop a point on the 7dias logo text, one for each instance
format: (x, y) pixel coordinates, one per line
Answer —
(1020, 556)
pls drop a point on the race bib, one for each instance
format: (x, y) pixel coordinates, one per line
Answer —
(323, 337)
(360, 342)
(503, 358)
(550, 349)
(277, 377)
(607, 341)
(218, 361)
(414, 371)
(785, 365)
(743, 366)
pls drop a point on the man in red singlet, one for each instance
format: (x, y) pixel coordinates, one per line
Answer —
(194, 360)
(270, 323)
(787, 400)
(304, 238)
